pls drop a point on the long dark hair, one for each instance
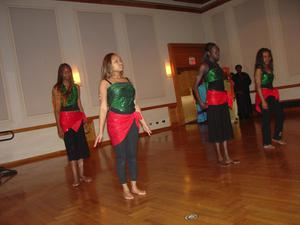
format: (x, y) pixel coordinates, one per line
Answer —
(60, 79)
(259, 62)
(208, 47)
(106, 69)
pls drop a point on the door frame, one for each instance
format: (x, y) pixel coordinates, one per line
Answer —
(180, 55)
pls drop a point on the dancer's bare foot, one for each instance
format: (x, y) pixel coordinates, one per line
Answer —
(220, 159)
(281, 142)
(138, 191)
(222, 163)
(75, 184)
(269, 146)
(127, 195)
(234, 162)
(85, 179)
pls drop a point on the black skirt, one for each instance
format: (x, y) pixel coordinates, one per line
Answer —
(76, 144)
(219, 123)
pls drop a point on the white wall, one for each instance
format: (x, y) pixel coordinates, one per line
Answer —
(241, 27)
(26, 53)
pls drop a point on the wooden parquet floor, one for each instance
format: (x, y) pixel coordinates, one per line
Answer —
(179, 171)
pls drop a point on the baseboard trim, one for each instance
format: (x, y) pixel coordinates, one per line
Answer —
(63, 152)
(34, 159)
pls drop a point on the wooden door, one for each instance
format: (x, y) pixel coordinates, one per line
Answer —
(185, 60)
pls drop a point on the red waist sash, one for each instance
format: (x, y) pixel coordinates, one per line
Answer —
(71, 119)
(266, 92)
(118, 125)
(219, 98)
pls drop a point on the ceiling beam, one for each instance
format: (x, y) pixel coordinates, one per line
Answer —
(152, 5)
(193, 1)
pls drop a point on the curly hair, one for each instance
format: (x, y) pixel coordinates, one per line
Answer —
(259, 62)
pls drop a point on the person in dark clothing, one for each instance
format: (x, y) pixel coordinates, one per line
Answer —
(267, 99)
(242, 93)
(217, 103)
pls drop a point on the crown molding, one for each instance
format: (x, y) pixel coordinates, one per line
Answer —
(153, 5)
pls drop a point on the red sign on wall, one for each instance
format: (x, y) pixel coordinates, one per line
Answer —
(192, 60)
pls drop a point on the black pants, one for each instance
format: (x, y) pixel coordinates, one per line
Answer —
(244, 105)
(273, 107)
(126, 151)
(76, 144)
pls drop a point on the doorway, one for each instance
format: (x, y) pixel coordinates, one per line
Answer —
(185, 60)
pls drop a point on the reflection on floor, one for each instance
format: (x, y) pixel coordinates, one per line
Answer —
(179, 171)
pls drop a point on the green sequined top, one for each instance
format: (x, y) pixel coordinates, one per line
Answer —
(214, 78)
(120, 97)
(267, 80)
(69, 104)
(214, 74)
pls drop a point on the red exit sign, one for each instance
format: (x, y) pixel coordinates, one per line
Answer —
(192, 60)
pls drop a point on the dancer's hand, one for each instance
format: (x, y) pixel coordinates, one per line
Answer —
(146, 129)
(98, 139)
(60, 132)
(85, 127)
(264, 105)
(203, 105)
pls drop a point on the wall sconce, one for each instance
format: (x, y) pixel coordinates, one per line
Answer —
(168, 69)
(76, 75)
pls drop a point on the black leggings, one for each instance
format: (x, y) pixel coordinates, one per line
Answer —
(76, 144)
(126, 151)
(273, 106)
